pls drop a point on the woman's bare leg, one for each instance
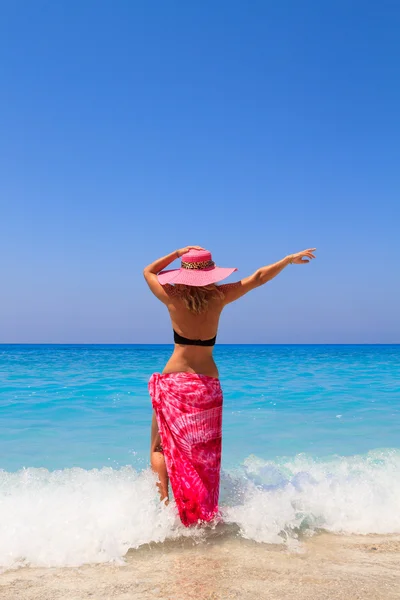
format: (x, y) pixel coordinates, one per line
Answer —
(157, 460)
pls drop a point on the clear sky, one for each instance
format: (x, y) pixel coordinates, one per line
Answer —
(255, 129)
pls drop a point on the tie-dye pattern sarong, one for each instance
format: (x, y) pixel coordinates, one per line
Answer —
(188, 408)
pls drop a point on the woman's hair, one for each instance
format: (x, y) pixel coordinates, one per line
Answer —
(196, 298)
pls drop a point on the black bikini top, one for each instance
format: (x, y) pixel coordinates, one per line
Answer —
(178, 339)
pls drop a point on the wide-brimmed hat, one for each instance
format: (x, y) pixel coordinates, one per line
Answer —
(197, 268)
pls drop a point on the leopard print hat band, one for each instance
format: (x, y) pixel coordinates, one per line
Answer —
(204, 264)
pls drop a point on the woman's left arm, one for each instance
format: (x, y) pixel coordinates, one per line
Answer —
(150, 272)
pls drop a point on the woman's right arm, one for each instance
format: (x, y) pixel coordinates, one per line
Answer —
(233, 291)
(150, 272)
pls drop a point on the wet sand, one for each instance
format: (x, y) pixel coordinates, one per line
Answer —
(226, 567)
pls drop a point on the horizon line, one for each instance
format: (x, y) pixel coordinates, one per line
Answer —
(223, 344)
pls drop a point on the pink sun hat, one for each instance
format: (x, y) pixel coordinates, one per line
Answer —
(197, 268)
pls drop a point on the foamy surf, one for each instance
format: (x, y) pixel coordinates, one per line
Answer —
(353, 495)
(74, 516)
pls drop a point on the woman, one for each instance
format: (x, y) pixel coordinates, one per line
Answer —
(187, 396)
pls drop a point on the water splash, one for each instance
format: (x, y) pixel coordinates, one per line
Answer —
(74, 516)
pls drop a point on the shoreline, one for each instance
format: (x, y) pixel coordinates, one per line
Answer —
(325, 566)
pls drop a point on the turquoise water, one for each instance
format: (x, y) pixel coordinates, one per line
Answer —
(88, 406)
(311, 439)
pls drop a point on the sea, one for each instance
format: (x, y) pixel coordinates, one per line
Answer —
(311, 443)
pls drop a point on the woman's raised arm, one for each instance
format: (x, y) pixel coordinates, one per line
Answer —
(233, 291)
(150, 272)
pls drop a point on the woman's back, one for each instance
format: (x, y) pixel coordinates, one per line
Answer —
(194, 314)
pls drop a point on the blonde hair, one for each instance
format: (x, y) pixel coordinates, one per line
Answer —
(196, 298)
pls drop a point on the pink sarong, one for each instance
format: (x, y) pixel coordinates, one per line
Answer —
(188, 408)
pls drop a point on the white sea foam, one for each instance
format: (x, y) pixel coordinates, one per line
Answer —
(359, 494)
(74, 516)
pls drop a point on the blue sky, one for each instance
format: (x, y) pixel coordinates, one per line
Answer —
(258, 129)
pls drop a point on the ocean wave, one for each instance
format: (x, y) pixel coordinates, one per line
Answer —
(73, 516)
(277, 500)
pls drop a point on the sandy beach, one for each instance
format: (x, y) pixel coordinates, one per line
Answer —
(322, 567)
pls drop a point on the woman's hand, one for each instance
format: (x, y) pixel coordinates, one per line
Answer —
(186, 249)
(303, 257)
